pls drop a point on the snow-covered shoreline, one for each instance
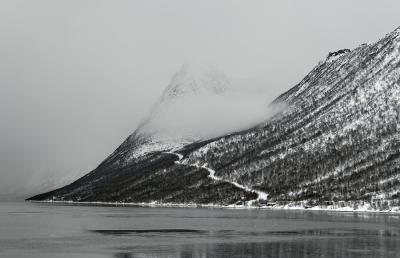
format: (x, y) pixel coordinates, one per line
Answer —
(395, 210)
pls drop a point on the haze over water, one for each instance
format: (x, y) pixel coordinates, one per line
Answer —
(46, 230)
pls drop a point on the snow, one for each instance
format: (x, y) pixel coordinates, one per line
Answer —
(392, 178)
(155, 204)
(194, 78)
(180, 156)
(155, 133)
(153, 146)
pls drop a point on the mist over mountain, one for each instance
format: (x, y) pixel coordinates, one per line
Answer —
(199, 96)
(199, 103)
(335, 141)
(78, 77)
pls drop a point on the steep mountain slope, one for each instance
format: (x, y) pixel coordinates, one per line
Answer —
(337, 139)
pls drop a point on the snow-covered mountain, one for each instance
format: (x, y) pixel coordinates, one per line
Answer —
(194, 78)
(156, 132)
(193, 82)
(338, 139)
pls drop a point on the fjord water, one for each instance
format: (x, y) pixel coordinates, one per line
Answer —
(49, 230)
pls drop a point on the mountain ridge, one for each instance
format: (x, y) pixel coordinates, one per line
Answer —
(190, 80)
(337, 140)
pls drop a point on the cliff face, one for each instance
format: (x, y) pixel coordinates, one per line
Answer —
(337, 139)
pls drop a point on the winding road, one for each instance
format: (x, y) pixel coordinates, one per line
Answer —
(260, 195)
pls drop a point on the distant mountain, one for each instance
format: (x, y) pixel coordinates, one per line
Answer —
(194, 79)
(337, 140)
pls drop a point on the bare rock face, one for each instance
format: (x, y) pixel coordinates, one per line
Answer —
(337, 139)
(337, 54)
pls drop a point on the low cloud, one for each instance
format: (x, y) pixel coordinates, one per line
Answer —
(208, 115)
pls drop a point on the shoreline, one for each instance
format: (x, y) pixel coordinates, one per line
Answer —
(395, 210)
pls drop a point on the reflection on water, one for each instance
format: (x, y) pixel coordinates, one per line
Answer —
(308, 248)
(330, 243)
(144, 231)
(43, 230)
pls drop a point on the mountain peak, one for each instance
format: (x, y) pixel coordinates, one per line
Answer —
(196, 78)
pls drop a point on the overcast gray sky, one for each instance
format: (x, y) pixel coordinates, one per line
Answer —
(76, 77)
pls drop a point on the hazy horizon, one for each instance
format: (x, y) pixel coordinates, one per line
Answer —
(77, 77)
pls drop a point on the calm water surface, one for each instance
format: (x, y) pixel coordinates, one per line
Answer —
(45, 230)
